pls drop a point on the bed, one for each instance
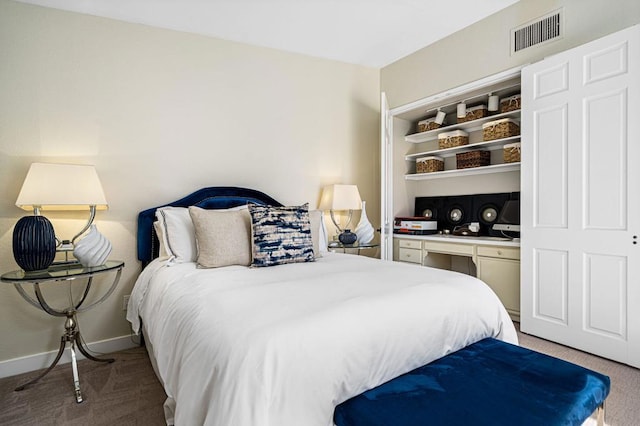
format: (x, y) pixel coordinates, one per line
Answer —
(284, 344)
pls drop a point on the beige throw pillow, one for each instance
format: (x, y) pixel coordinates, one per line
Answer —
(223, 237)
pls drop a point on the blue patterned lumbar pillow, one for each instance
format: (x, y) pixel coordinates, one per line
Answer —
(280, 235)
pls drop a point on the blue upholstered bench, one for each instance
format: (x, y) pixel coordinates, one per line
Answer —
(487, 383)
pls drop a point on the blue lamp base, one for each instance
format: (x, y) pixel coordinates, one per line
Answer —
(34, 243)
(347, 237)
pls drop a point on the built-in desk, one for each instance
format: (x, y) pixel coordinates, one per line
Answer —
(496, 260)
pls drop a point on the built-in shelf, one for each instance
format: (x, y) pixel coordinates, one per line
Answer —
(496, 168)
(469, 126)
(450, 152)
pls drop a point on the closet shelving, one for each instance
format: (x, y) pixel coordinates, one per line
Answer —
(469, 127)
(450, 152)
(494, 168)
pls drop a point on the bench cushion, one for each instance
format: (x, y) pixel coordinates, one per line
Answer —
(488, 382)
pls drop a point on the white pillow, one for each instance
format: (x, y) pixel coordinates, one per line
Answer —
(323, 241)
(178, 233)
(316, 220)
(162, 250)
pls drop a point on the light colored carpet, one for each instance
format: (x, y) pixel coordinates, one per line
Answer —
(125, 392)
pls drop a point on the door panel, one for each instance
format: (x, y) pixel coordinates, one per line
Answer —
(605, 288)
(606, 63)
(550, 166)
(551, 80)
(605, 164)
(551, 286)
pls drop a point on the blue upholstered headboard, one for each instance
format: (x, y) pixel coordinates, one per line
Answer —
(216, 197)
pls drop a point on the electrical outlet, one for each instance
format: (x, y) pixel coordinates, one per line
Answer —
(125, 302)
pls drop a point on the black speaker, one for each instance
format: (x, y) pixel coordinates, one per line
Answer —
(430, 213)
(457, 211)
(487, 207)
(488, 213)
(429, 207)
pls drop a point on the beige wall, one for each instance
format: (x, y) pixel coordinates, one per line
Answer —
(162, 113)
(483, 49)
(478, 51)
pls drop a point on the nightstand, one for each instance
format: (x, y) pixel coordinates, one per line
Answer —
(73, 274)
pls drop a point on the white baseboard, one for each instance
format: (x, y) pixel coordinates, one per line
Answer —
(11, 367)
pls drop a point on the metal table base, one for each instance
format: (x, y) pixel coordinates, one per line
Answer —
(72, 336)
(68, 273)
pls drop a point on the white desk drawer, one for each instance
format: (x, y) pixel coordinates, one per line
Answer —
(410, 244)
(500, 252)
(410, 255)
(460, 249)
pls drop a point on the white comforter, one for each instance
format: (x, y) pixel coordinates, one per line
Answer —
(284, 345)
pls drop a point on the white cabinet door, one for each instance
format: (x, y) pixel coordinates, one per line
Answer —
(503, 276)
(580, 197)
(386, 187)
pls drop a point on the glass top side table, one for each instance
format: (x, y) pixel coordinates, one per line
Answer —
(72, 273)
(334, 245)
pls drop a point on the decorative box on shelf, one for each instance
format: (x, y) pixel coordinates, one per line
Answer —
(474, 113)
(428, 124)
(511, 103)
(470, 159)
(500, 129)
(452, 139)
(429, 164)
(511, 152)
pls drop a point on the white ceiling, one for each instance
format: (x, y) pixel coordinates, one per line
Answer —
(373, 33)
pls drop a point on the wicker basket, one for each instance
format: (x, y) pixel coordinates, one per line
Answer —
(511, 103)
(428, 124)
(500, 129)
(466, 160)
(474, 113)
(429, 164)
(512, 153)
(451, 139)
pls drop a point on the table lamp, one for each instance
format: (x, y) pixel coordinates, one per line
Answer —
(345, 198)
(53, 187)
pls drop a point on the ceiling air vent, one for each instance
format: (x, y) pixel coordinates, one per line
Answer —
(538, 31)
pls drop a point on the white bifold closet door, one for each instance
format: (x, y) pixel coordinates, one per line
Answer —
(580, 197)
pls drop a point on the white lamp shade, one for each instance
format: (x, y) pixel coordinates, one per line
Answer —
(61, 187)
(340, 197)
